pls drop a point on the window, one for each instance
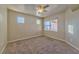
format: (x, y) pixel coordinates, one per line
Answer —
(38, 22)
(54, 26)
(51, 25)
(70, 29)
(20, 20)
(47, 25)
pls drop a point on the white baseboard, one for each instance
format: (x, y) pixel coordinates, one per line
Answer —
(3, 48)
(23, 38)
(55, 37)
(41, 35)
(64, 41)
(72, 45)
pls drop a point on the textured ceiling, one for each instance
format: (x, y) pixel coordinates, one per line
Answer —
(51, 10)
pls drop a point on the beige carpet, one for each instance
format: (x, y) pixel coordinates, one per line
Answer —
(40, 45)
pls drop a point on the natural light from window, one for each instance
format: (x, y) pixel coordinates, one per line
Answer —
(70, 29)
(54, 25)
(51, 25)
(20, 20)
(38, 22)
(47, 25)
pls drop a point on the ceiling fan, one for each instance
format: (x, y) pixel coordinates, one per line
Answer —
(42, 8)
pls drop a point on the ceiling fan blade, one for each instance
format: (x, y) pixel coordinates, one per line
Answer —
(46, 6)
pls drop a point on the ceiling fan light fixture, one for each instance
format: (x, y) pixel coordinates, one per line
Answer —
(39, 9)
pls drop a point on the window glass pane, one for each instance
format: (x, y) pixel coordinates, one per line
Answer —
(20, 19)
(47, 23)
(47, 28)
(70, 29)
(54, 26)
(38, 22)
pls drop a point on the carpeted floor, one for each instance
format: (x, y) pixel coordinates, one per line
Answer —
(40, 45)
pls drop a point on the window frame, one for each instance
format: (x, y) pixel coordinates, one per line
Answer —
(52, 24)
(20, 19)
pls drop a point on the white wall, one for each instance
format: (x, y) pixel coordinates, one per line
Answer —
(66, 19)
(61, 28)
(28, 29)
(72, 18)
(3, 28)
